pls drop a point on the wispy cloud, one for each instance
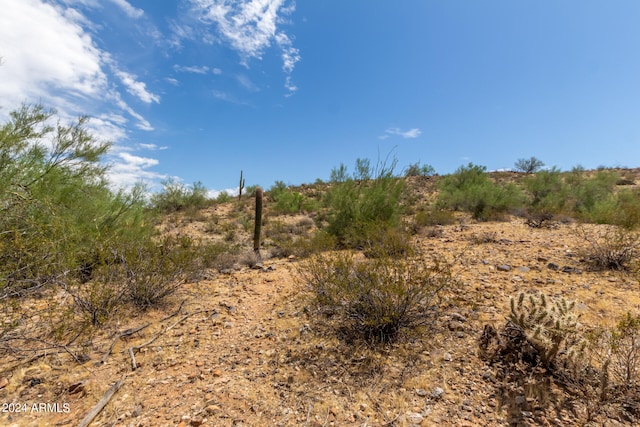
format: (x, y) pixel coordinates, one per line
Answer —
(408, 134)
(246, 83)
(195, 69)
(152, 147)
(249, 27)
(132, 12)
(136, 88)
(227, 97)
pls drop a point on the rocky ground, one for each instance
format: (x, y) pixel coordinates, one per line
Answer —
(243, 348)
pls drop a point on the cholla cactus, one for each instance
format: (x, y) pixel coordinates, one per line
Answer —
(549, 325)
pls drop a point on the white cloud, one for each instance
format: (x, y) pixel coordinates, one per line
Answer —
(46, 53)
(247, 83)
(172, 81)
(196, 69)
(217, 71)
(126, 170)
(212, 194)
(227, 97)
(136, 88)
(50, 58)
(131, 11)
(249, 26)
(411, 133)
(137, 161)
(152, 147)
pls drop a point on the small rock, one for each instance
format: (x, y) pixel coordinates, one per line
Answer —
(363, 407)
(455, 326)
(217, 373)
(447, 357)
(459, 317)
(212, 409)
(291, 257)
(436, 393)
(228, 325)
(524, 269)
(4, 382)
(504, 267)
(552, 266)
(414, 418)
(520, 400)
(568, 269)
(196, 421)
(421, 392)
(137, 411)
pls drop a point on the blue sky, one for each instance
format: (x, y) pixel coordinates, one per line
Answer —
(199, 89)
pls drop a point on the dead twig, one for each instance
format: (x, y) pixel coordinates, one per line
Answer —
(122, 334)
(101, 404)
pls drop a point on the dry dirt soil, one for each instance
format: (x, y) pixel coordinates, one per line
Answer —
(244, 349)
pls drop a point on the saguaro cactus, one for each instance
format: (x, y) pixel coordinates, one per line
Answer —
(241, 186)
(258, 221)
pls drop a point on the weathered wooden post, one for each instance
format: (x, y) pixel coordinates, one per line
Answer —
(258, 221)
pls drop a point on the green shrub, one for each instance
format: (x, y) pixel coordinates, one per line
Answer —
(290, 202)
(585, 192)
(435, 216)
(224, 197)
(354, 206)
(57, 212)
(375, 299)
(379, 240)
(176, 196)
(470, 189)
(547, 191)
(415, 169)
(622, 209)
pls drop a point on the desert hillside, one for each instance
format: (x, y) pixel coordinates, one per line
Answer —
(245, 343)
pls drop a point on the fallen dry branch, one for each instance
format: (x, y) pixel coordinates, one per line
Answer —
(123, 334)
(101, 404)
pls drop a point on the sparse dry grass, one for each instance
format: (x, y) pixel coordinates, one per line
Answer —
(251, 351)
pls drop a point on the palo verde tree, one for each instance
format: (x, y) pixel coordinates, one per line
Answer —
(57, 213)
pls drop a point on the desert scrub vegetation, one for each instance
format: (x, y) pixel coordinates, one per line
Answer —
(373, 300)
(434, 216)
(615, 249)
(356, 207)
(288, 201)
(64, 228)
(471, 189)
(57, 212)
(176, 196)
